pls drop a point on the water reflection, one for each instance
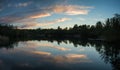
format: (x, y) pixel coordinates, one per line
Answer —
(59, 54)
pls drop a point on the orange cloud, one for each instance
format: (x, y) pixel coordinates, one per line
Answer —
(69, 9)
(77, 12)
(40, 15)
(75, 56)
(41, 53)
(71, 58)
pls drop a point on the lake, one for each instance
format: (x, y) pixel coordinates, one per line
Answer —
(59, 55)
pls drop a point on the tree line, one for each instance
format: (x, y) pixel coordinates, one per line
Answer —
(101, 31)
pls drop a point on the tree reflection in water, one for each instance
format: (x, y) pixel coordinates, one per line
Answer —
(110, 52)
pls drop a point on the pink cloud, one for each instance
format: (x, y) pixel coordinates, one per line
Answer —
(69, 9)
(40, 15)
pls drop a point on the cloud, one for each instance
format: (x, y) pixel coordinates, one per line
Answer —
(69, 9)
(20, 17)
(62, 19)
(40, 15)
(55, 47)
(75, 56)
(48, 45)
(77, 12)
(23, 4)
(33, 48)
(71, 58)
(41, 53)
(19, 4)
(61, 48)
(9, 19)
(31, 23)
(58, 20)
(24, 17)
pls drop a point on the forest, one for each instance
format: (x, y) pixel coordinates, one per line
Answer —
(108, 31)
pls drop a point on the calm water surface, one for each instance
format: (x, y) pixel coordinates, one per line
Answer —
(45, 55)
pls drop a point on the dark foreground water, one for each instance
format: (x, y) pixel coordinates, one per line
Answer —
(59, 55)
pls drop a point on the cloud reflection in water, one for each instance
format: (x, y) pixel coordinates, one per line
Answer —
(27, 54)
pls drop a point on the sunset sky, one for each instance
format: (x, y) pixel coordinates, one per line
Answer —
(32, 14)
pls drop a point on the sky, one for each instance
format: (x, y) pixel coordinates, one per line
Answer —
(32, 14)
